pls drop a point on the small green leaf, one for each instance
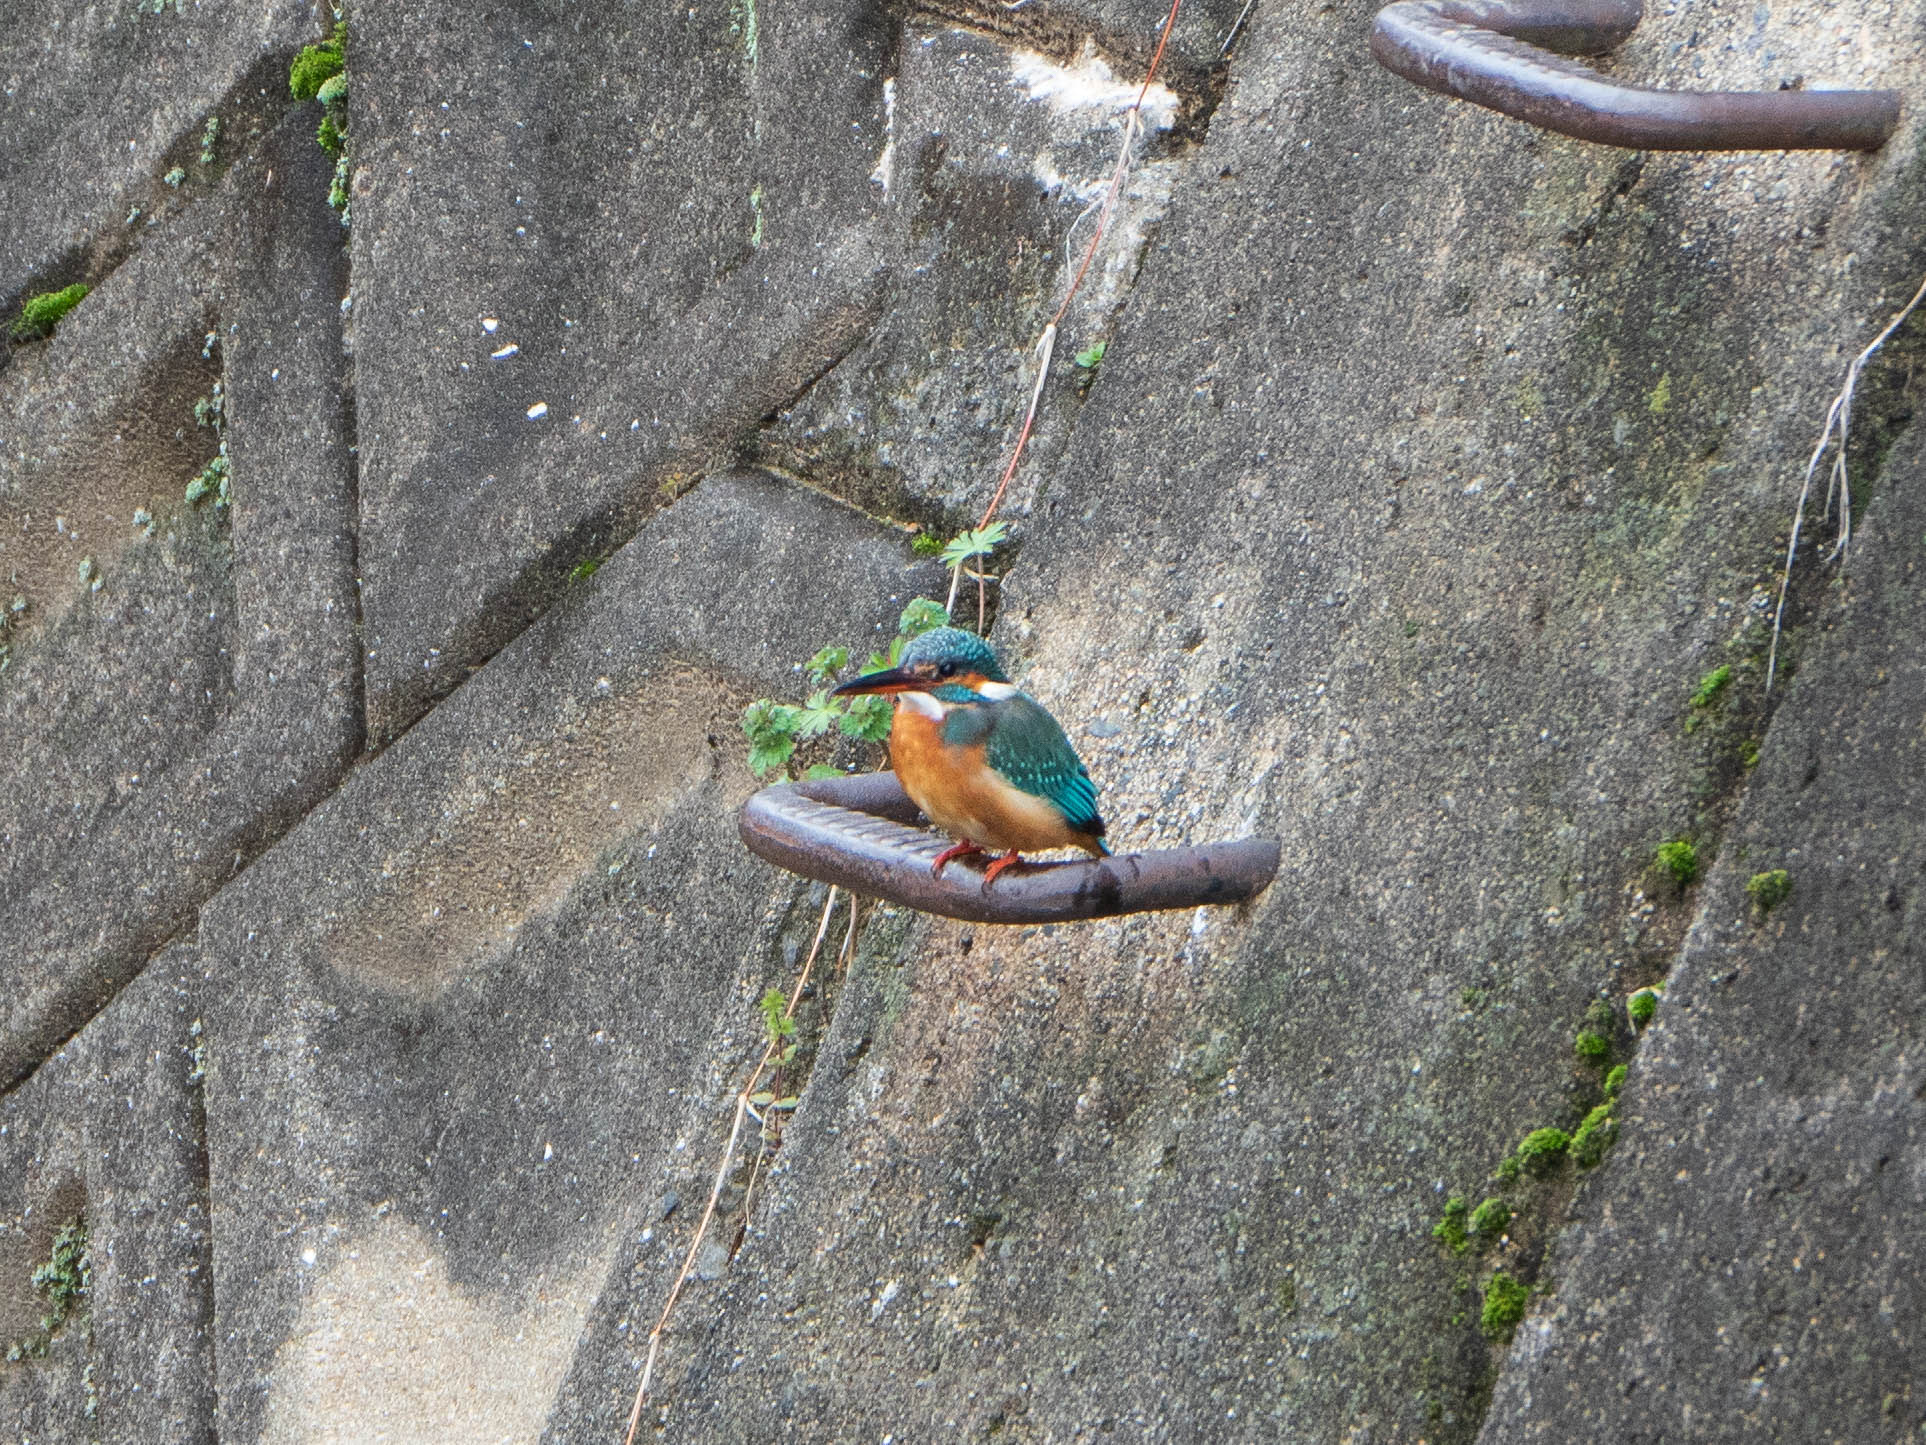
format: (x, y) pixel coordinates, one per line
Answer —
(867, 719)
(762, 1100)
(765, 721)
(926, 544)
(772, 1006)
(1092, 356)
(817, 772)
(771, 728)
(814, 717)
(787, 1102)
(827, 663)
(974, 544)
(889, 657)
(919, 617)
(766, 756)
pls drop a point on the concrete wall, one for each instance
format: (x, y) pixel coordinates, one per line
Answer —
(379, 958)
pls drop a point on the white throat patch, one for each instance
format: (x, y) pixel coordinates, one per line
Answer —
(921, 702)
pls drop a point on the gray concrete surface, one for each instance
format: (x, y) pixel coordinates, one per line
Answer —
(1748, 1269)
(463, 1006)
(169, 721)
(110, 1133)
(1431, 469)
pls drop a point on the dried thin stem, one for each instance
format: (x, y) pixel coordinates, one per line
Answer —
(848, 950)
(763, 1155)
(1231, 39)
(1046, 344)
(722, 1170)
(1838, 482)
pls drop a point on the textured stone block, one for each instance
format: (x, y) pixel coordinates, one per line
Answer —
(469, 1004)
(588, 257)
(1748, 1267)
(102, 101)
(109, 1133)
(183, 684)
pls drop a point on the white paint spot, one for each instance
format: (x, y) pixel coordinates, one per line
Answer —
(538, 411)
(1089, 85)
(886, 162)
(503, 354)
(490, 325)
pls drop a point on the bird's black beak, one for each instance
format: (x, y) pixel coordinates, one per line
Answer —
(892, 679)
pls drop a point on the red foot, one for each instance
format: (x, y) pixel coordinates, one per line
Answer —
(1008, 860)
(958, 850)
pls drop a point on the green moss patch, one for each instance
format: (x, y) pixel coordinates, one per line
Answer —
(1505, 1300)
(316, 65)
(1712, 686)
(1539, 1150)
(42, 313)
(1768, 890)
(1490, 1218)
(1594, 1136)
(1678, 860)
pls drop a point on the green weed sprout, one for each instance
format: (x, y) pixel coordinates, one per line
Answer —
(774, 729)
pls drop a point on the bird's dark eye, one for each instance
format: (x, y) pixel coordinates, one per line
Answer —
(948, 668)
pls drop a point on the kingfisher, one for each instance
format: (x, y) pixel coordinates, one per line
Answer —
(981, 758)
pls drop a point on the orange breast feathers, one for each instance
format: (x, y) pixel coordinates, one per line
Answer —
(962, 794)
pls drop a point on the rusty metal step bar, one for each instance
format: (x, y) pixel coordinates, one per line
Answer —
(1491, 52)
(856, 832)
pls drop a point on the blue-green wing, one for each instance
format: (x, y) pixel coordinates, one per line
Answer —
(1024, 744)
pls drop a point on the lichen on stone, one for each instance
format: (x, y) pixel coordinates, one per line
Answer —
(64, 1279)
